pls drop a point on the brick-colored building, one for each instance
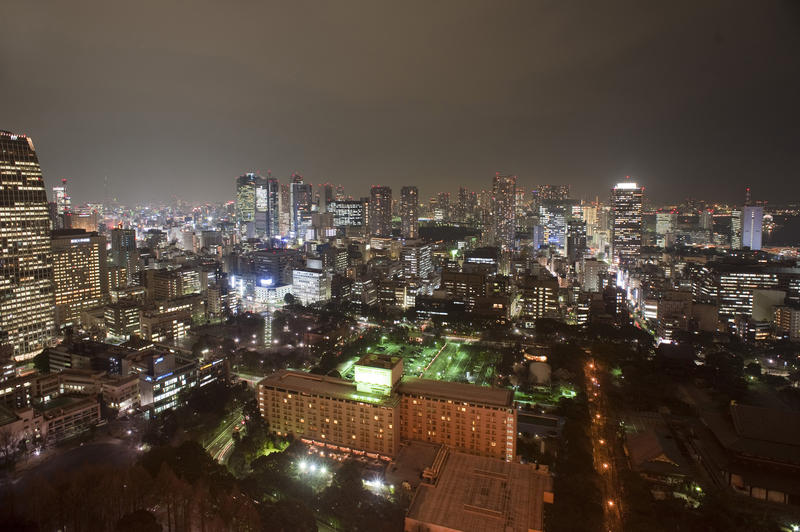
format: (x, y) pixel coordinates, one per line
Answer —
(378, 410)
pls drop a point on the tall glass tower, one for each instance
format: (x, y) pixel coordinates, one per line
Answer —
(27, 315)
(626, 207)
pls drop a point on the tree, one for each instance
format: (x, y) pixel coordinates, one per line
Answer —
(138, 521)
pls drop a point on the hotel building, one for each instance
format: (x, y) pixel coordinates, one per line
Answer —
(379, 409)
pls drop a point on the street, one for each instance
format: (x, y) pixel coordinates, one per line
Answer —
(604, 442)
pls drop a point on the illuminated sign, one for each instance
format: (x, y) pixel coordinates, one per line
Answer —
(265, 282)
(373, 380)
(79, 241)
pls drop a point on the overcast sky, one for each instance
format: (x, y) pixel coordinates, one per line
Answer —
(178, 98)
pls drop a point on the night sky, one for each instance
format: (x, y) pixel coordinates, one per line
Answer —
(178, 98)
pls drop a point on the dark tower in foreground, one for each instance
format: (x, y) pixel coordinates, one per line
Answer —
(27, 317)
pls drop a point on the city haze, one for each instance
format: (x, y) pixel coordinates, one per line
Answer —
(168, 99)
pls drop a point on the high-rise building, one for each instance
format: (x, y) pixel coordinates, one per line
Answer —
(504, 210)
(442, 211)
(326, 198)
(626, 206)
(706, 221)
(409, 212)
(301, 205)
(349, 213)
(380, 211)
(246, 198)
(79, 273)
(123, 251)
(267, 208)
(736, 229)
(27, 315)
(553, 192)
(666, 222)
(752, 218)
(576, 240)
(62, 199)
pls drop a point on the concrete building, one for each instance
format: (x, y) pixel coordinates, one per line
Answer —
(469, 493)
(378, 409)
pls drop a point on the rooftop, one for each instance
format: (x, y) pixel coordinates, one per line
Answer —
(762, 433)
(457, 391)
(475, 493)
(300, 381)
(377, 360)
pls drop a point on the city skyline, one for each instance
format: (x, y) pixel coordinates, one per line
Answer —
(681, 99)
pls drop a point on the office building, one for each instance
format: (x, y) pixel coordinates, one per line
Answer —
(380, 211)
(267, 208)
(752, 220)
(666, 222)
(409, 212)
(349, 213)
(301, 206)
(417, 260)
(79, 274)
(123, 251)
(27, 314)
(504, 211)
(626, 237)
(246, 198)
(311, 285)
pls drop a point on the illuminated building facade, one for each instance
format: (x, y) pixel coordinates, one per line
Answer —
(626, 205)
(380, 211)
(246, 198)
(349, 213)
(409, 212)
(79, 274)
(27, 314)
(553, 192)
(332, 412)
(267, 208)
(311, 285)
(752, 219)
(379, 409)
(301, 205)
(504, 210)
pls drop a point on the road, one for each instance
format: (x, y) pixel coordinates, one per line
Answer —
(222, 442)
(604, 443)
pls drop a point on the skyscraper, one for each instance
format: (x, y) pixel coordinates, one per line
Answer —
(442, 207)
(123, 249)
(27, 316)
(752, 218)
(380, 211)
(302, 199)
(409, 212)
(504, 210)
(626, 207)
(267, 208)
(245, 198)
(79, 273)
